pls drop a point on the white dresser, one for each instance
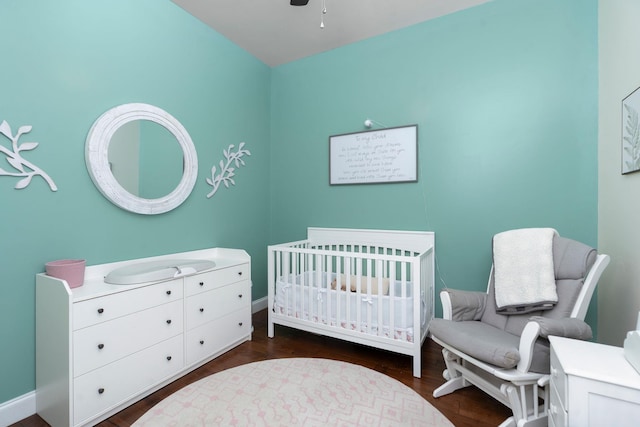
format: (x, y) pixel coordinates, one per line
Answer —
(592, 385)
(101, 347)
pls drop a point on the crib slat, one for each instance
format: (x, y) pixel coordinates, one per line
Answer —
(278, 266)
(293, 263)
(370, 281)
(330, 303)
(326, 316)
(288, 278)
(359, 272)
(339, 305)
(405, 300)
(392, 299)
(349, 270)
(296, 269)
(317, 285)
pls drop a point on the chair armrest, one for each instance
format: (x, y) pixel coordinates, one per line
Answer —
(544, 327)
(528, 338)
(568, 328)
(460, 305)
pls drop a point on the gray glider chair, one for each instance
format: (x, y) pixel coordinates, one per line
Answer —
(505, 352)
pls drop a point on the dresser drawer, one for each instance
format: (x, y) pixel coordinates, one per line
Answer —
(106, 342)
(559, 379)
(557, 414)
(210, 338)
(97, 310)
(105, 388)
(207, 306)
(215, 279)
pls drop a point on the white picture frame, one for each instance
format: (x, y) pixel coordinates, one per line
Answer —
(630, 148)
(387, 155)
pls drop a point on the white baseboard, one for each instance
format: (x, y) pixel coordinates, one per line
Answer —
(24, 406)
(18, 408)
(259, 304)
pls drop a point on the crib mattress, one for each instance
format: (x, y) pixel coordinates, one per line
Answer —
(307, 296)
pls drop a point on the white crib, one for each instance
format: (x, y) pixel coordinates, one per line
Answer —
(372, 287)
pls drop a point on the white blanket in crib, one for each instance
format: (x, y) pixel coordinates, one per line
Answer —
(523, 269)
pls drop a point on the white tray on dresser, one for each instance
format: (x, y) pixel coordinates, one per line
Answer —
(101, 347)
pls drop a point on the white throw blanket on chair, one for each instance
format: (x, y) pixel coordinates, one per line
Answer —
(523, 270)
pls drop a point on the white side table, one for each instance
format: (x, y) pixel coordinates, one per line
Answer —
(592, 385)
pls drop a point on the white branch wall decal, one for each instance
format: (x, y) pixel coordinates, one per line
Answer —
(227, 169)
(631, 138)
(22, 168)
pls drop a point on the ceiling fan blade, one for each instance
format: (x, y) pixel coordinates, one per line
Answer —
(299, 2)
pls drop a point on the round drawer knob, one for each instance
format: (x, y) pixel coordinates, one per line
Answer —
(168, 321)
(100, 310)
(201, 342)
(100, 346)
(100, 390)
(169, 358)
(168, 292)
(201, 283)
(239, 295)
(239, 273)
(239, 323)
(201, 310)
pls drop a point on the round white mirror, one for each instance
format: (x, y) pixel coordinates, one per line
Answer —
(122, 140)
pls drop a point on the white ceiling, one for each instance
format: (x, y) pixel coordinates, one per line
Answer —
(277, 33)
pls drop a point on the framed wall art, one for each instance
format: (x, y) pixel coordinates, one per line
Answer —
(376, 156)
(631, 133)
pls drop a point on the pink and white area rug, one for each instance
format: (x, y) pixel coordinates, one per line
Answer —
(295, 392)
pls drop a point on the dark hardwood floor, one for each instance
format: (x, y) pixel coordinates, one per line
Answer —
(465, 408)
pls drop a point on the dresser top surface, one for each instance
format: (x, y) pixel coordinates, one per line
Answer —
(95, 286)
(595, 361)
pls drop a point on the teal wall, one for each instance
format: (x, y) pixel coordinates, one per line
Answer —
(64, 64)
(504, 94)
(505, 99)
